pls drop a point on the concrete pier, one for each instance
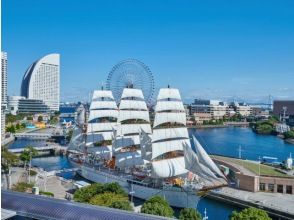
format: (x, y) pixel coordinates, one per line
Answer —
(276, 204)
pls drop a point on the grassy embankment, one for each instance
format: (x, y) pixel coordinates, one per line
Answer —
(254, 167)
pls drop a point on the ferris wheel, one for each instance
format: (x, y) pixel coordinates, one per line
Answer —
(131, 73)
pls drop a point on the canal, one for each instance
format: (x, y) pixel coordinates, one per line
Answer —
(223, 141)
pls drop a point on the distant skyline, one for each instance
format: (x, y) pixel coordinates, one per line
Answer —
(226, 50)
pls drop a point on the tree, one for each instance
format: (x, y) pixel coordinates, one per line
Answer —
(28, 153)
(156, 205)
(189, 214)
(10, 129)
(40, 118)
(17, 126)
(289, 134)
(86, 193)
(250, 214)
(8, 159)
(23, 125)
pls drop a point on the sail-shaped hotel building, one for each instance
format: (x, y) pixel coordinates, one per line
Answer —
(42, 81)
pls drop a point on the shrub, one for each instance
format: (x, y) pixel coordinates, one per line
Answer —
(250, 213)
(189, 214)
(124, 205)
(107, 199)
(33, 173)
(22, 186)
(156, 205)
(86, 193)
(47, 193)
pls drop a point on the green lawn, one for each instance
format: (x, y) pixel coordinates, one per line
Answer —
(254, 167)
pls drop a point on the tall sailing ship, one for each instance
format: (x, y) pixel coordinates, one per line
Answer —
(145, 162)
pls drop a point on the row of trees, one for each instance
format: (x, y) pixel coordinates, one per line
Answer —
(265, 127)
(112, 195)
(13, 128)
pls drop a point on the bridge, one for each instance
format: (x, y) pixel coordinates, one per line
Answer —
(44, 148)
(34, 135)
(67, 170)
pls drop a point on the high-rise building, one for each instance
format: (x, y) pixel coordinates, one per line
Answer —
(42, 81)
(3, 91)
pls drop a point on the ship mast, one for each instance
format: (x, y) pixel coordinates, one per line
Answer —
(102, 119)
(170, 135)
(132, 119)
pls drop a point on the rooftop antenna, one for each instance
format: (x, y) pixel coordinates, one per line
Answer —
(284, 114)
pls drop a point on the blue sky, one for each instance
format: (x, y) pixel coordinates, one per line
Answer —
(208, 49)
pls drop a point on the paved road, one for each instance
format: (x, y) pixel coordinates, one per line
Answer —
(48, 208)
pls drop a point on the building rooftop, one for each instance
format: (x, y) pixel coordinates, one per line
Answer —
(41, 207)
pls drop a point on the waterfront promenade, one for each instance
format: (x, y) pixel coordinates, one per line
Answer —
(279, 205)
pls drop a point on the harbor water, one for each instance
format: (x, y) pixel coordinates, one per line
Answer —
(222, 141)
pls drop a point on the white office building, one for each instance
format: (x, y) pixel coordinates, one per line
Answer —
(42, 81)
(3, 91)
(13, 103)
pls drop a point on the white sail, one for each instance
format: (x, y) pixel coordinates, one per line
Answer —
(97, 127)
(129, 159)
(193, 164)
(98, 137)
(132, 104)
(127, 115)
(104, 152)
(77, 139)
(171, 138)
(169, 93)
(126, 141)
(100, 132)
(107, 105)
(132, 93)
(205, 159)
(146, 145)
(168, 168)
(172, 117)
(98, 94)
(163, 147)
(169, 133)
(95, 114)
(170, 106)
(126, 129)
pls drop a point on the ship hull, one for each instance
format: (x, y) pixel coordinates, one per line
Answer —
(176, 196)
